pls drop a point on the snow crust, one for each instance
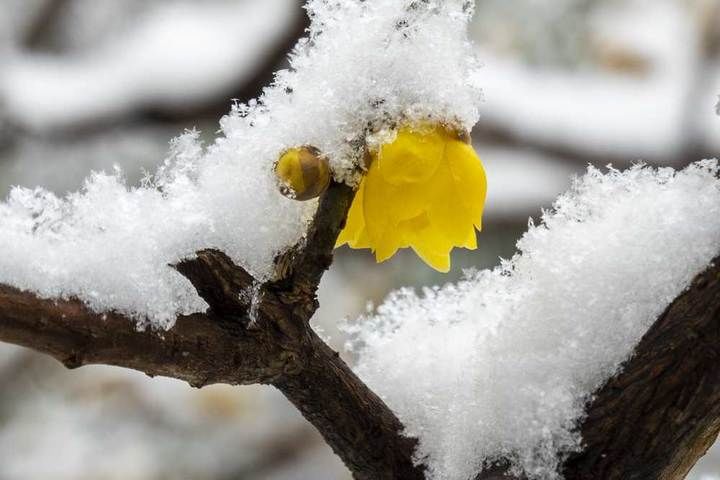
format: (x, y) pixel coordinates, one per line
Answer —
(364, 66)
(500, 365)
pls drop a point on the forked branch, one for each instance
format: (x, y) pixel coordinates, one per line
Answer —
(252, 333)
(653, 421)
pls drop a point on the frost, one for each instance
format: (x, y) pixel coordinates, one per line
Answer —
(501, 364)
(364, 66)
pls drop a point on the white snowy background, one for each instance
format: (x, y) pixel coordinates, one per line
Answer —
(90, 84)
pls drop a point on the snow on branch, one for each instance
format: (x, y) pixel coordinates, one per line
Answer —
(500, 366)
(264, 338)
(493, 372)
(364, 67)
(479, 353)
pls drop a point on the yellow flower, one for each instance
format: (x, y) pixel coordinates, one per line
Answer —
(424, 190)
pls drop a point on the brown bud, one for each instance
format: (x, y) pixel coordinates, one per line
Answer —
(303, 173)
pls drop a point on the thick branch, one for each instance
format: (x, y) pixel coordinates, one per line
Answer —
(316, 252)
(227, 288)
(198, 349)
(354, 421)
(655, 419)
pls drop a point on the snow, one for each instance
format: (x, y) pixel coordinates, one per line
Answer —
(111, 245)
(368, 65)
(500, 365)
(364, 67)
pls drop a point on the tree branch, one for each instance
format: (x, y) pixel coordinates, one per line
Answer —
(652, 421)
(198, 349)
(354, 420)
(662, 413)
(252, 333)
(655, 419)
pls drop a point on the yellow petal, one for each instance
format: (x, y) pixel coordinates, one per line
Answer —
(471, 241)
(387, 245)
(446, 211)
(386, 205)
(376, 202)
(412, 157)
(355, 222)
(424, 190)
(430, 244)
(469, 176)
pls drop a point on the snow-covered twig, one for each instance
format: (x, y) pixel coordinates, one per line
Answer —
(224, 346)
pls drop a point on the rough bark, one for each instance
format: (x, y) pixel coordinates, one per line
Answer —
(655, 419)
(662, 413)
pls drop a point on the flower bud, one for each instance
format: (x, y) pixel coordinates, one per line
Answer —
(303, 173)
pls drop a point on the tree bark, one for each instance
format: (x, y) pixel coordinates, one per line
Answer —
(199, 349)
(660, 414)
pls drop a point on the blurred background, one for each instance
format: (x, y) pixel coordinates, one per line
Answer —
(93, 84)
